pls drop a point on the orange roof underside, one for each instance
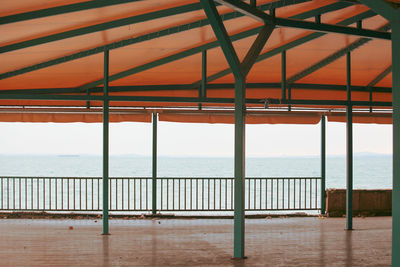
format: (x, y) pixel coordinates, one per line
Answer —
(368, 60)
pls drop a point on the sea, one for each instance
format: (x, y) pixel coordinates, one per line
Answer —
(371, 171)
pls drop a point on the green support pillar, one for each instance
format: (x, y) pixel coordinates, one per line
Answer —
(240, 71)
(203, 86)
(105, 143)
(349, 150)
(283, 74)
(396, 141)
(323, 165)
(239, 215)
(154, 176)
(392, 14)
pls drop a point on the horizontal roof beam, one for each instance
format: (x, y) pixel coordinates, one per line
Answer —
(211, 86)
(167, 99)
(329, 28)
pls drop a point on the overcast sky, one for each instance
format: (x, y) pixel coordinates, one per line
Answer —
(184, 139)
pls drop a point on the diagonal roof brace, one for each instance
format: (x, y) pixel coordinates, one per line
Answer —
(301, 24)
(239, 69)
(248, 10)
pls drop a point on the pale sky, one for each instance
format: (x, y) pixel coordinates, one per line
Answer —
(184, 139)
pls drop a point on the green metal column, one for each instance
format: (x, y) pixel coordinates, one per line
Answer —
(154, 178)
(105, 143)
(396, 141)
(239, 216)
(283, 75)
(202, 89)
(323, 164)
(349, 150)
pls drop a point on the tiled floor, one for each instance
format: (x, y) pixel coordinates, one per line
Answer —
(306, 241)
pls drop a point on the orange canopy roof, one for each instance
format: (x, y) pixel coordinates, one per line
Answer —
(56, 48)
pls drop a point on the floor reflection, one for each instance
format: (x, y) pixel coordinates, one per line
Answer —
(106, 256)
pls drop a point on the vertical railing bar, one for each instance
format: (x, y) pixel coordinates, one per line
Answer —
(214, 192)
(8, 194)
(129, 194)
(226, 194)
(266, 193)
(220, 194)
(310, 192)
(184, 193)
(37, 191)
(300, 206)
(2, 193)
(62, 193)
(167, 193)
(208, 194)
(294, 193)
(254, 192)
(197, 194)
(74, 191)
(191, 195)
(232, 193)
(92, 202)
(162, 189)
(123, 195)
(316, 194)
(289, 180)
(20, 194)
(98, 194)
(277, 193)
(13, 193)
(80, 194)
(135, 194)
(283, 193)
(260, 193)
(248, 192)
(272, 194)
(26, 194)
(68, 194)
(202, 193)
(147, 194)
(179, 194)
(50, 193)
(44, 193)
(173, 194)
(140, 196)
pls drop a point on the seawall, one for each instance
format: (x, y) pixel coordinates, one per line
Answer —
(375, 202)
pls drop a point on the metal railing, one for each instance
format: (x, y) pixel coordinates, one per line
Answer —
(129, 194)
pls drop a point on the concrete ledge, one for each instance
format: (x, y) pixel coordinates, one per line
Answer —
(93, 216)
(365, 202)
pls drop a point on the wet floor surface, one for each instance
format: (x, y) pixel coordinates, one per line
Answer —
(269, 242)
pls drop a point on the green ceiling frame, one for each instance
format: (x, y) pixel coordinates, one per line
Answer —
(52, 11)
(107, 25)
(162, 33)
(333, 57)
(290, 45)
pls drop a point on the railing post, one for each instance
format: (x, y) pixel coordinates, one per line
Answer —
(154, 164)
(349, 150)
(105, 143)
(323, 164)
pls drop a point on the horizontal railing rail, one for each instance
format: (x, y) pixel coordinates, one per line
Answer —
(130, 194)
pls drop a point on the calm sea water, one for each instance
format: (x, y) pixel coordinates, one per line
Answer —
(370, 171)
